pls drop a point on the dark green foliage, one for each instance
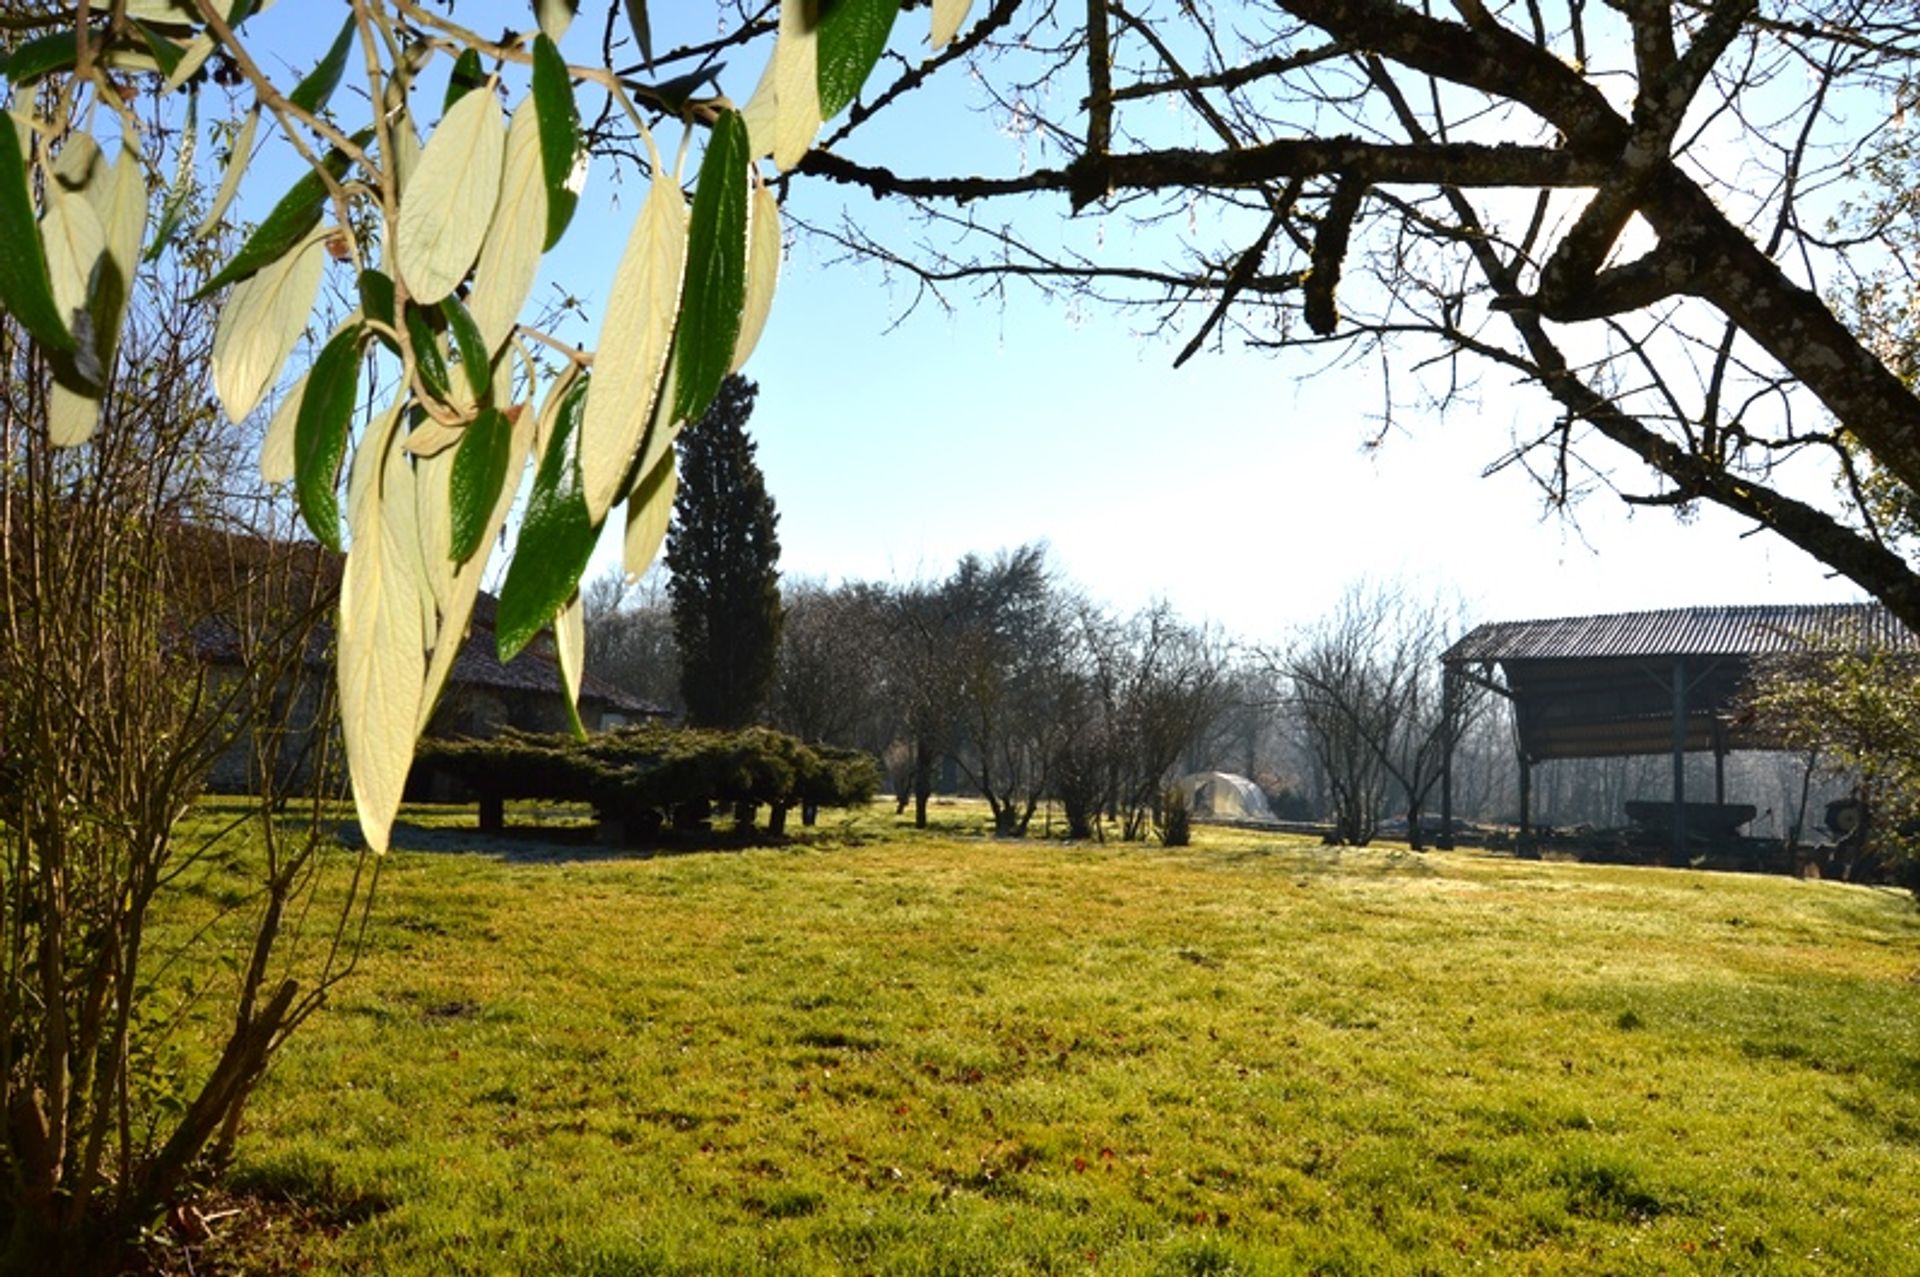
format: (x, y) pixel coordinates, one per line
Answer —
(723, 552)
(644, 776)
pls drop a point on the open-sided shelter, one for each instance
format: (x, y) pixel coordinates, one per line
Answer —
(1647, 682)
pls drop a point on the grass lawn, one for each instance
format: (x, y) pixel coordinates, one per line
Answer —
(882, 1051)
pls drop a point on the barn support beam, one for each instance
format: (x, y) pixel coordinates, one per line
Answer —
(1450, 736)
(1680, 756)
(1719, 764)
(1524, 843)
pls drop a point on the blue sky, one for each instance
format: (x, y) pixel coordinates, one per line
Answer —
(1241, 487)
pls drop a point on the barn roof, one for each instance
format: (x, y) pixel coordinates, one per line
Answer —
(1649, 682)
(1766, 630)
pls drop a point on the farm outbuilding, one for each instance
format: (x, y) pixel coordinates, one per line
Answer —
(1648, 683)
(1224, 796)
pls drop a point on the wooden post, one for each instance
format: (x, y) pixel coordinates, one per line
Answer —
(1449, 729)
(493, 812)
(1680, 756)
(1719, 765)
(1525, 843)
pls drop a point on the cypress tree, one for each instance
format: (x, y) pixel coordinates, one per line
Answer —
(724, 554)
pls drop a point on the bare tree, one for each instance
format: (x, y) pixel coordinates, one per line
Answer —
(1635, 212)
(145, 633)
(630, 641)
(828, 686)
(1366, 684)
(1007, 632)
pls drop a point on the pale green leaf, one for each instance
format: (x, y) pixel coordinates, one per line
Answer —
(260, 324)
(121, 202)
(183, 185)
(72, 415)
(662, 429)
(570, 646)
(796, 85)
(276, 448)
(555, 16)
(167, 12)
(199, 49)
(649, 510)
(434, 519)
(449, 202)
(79, 165)
(947, 17)
(635, 339)
(431, 438)
(510, 255)
(75, 241)
(456, 606)
(783, 115)
(237, 162)
(763, 271)
(382, 644)
(405, 160)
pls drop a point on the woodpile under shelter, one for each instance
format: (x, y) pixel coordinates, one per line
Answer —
(1647, 683)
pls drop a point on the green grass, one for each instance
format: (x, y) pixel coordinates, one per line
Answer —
(894, 1052)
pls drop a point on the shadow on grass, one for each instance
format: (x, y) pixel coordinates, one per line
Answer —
(565, 844)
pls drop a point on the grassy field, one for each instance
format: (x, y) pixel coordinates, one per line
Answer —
(884, 1051)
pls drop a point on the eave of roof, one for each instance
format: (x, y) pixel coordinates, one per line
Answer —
(1762, 630)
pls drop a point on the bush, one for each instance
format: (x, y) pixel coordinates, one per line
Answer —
(644, 777)
(1176, 822)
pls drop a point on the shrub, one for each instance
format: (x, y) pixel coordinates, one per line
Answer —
(646, 776)
(1176, 821)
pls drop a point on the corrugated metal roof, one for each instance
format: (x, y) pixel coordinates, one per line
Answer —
(1693, 631)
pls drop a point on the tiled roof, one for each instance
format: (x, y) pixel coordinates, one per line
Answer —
(1693, 631)
(534, 669)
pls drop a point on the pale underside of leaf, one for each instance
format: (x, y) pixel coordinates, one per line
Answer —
(431, 438)
(123, 211)
(260, 324)
(406, 150)
(199, 49)
(550, 408)
(177, 12)
(763, 271)
(510, 255)
(783, 115)
(276, 448)
(642, 306)
(74, 241)
(450, 200)
(947, 17)
(797, 86)
(570, 647)
(237, 163)
(79, 164)
(430, 512)
(662, 430)
(72, 416)
(277, 458)
(554, 17)
(649, 511)
(456, 608)
(382, 650)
